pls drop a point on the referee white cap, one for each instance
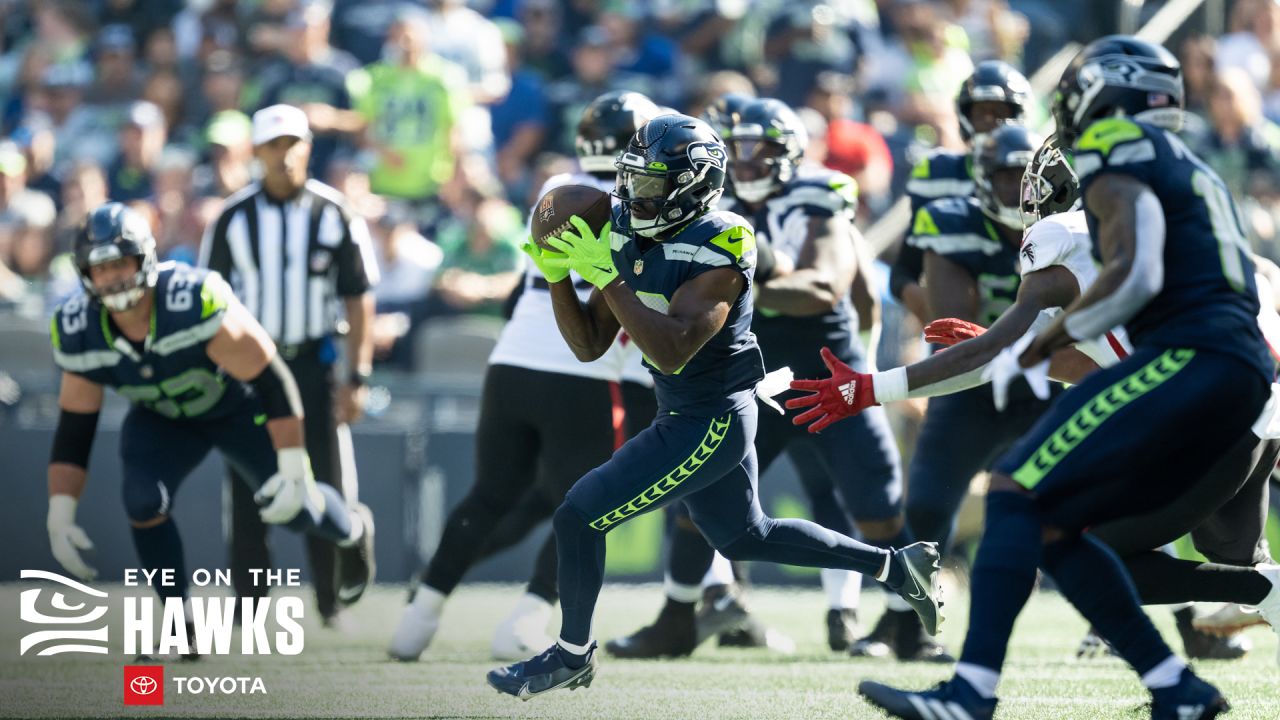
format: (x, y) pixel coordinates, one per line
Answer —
(276, 121)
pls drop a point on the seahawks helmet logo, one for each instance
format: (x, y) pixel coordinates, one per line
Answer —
(707, 152)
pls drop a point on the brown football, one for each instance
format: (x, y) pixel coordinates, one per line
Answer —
(552, 212)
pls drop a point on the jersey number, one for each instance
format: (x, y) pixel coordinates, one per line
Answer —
(179, 297)
(190, 394)
(1232, 246)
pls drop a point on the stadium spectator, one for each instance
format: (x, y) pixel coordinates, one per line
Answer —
(543, 49)
(119, 79)
(83, 189)
(1197, 56)
(36, 141)
(142, 136)
(80, 129)
(995, 31)
(360, 26)
(1240, 141)
(311, 75)
(230, 153)
(647, 56)
(474, 43)
(164, 89)
(519, 119)
(16, 198)
(482, 260)
(593, 75)
(172, 183)
(408, 107)
(1253, 40)
(221, 88)
(807, 39)
(408, 263)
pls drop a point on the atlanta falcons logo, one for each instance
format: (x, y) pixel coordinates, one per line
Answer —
(848, 390)
(1029, 252)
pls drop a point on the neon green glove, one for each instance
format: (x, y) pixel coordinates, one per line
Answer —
(586, 254)
(540, 258)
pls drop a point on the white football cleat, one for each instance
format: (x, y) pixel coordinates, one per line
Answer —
(1227, 620)
(1269, 608)
(524, 631)
(417, 625)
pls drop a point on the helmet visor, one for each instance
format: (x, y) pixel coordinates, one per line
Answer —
(754, 158)
(645, 194)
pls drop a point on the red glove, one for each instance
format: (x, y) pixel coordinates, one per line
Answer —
(949, 331)
(845, 394)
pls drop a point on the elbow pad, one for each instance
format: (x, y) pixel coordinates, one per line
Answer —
(73, 440)
(277, 390)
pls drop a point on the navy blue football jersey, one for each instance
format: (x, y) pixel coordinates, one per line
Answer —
(957, 229)
(170, 373)
(791, 341)
(1209, 298)
(723, 374)
(939, 174)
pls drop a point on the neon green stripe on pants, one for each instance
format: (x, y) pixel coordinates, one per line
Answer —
(1096, 411)
(715, 435)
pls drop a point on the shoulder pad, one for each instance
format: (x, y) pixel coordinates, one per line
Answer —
(190, 305)
(1114, 142)
(75, 332)
(827, 190)
(949, 226)
(721, 238)
(941, 174)
(1047, 243)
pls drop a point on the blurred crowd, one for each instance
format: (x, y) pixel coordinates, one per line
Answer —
(441, 119)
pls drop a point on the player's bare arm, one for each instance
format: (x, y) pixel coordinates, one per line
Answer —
(823, 274)
(697, 312)
(79, 400)
(1130, 237)
(1048, 288)
(243, 348)
(588, 328)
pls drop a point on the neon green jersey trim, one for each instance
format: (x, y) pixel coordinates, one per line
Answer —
(716, 432)
(1104, 135)
(1096, 411)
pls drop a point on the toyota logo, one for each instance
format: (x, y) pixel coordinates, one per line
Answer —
(143, 685)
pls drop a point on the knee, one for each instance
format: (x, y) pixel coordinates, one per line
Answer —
(744, 547)
(880, 529)
(146, 504)
(568, 521)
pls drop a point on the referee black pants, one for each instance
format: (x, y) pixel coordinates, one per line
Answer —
(317, 385)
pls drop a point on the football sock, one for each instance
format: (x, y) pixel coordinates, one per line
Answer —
(1163, 580)
(1166, 674)
(581, 551)
(160, 547)
(573, 656)
(429, 599)
(983, 680)
(1091, 577)
(843, 588)
(800, 542)
(720, 572)
(543, 582)
(1004, 573)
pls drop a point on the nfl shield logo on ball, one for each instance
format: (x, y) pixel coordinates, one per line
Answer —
(638, 267)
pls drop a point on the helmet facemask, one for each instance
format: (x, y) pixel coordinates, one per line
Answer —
(1049, 184)
(125, 294)
(654, 202)
(759, 167)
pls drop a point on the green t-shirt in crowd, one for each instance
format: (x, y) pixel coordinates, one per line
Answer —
(411, 111)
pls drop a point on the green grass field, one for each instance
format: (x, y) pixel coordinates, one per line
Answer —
(348, 675)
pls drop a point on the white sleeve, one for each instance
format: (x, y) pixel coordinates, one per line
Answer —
(1046, 244)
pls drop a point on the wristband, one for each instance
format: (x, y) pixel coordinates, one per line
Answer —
(359, 378)
(890, 385)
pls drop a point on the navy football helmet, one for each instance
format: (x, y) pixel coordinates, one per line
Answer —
(993, 81)
(766, 144)
(672, 171)
(111, 232)
(999, 163)
(606, 126)
(1118, 76)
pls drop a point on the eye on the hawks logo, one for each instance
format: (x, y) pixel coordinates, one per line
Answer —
(73, 616)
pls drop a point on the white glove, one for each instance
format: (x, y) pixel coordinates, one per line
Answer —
(288, 489)
(66, 538)
(775, 383)
(1004, 368)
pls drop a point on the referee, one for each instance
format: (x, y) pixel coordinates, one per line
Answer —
(290, 248)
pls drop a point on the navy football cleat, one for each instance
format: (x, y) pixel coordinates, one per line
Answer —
(1191, 699)
(951, 700)
(921, 564)
(542, 674)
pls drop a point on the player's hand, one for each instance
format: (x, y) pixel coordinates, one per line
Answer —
(844, 394)
(588, 255)
(67, 539)
(950, 331)
(285, 494)
(1007, 366)
(540, 258)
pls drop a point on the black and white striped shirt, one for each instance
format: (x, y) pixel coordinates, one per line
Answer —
(290, 262)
